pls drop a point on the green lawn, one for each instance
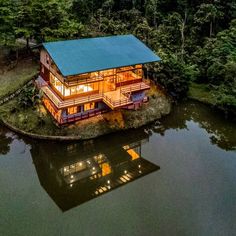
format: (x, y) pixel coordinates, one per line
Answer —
(12, 80)
(201, 93)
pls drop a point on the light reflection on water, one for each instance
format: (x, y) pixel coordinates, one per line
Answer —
(78, 172)
(190, 191)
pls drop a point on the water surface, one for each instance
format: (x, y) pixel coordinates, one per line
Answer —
(175, 177)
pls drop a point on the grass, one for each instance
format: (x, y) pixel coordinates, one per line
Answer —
(14, 79)
(202, 93)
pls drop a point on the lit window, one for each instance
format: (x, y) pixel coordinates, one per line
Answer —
(106, 169)
(89, 106)
(72, 110)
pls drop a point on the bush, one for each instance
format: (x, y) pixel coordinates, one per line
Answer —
(29, 97)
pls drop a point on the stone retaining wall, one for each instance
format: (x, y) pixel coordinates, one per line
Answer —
(42, 137)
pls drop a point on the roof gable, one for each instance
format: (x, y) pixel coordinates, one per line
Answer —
(93, 54)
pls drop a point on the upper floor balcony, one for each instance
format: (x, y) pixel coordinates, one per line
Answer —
(120, 97)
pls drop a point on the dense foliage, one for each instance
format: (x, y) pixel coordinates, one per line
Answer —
(195, 39)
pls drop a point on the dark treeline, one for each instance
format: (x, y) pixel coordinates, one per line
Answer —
(195, 39)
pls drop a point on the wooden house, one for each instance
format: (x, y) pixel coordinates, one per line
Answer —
(86, 77)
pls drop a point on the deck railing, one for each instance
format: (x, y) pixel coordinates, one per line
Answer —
(70, 102)
(77, 117)
(81, 100)
(116, 103)
(111, 102)
(134, 87)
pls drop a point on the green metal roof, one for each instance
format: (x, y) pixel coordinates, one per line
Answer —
(80, 56)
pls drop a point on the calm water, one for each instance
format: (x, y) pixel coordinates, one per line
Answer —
(175, 177)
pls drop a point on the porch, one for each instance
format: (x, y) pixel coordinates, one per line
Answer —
(114, 99)
(121, 96)
(59, 103)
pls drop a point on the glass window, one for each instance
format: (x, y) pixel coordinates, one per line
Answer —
(89, 106)
(71, 110)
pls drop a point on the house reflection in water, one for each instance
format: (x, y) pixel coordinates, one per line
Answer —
(75, 173)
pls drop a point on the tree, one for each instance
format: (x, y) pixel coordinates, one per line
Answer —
(207, 14)
(7, 12)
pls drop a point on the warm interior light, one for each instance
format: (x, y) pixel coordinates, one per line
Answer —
(134, 155)
(106, 169)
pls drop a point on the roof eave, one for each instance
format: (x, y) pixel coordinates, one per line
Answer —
(108, 68)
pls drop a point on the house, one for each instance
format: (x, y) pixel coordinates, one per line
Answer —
(86, 77)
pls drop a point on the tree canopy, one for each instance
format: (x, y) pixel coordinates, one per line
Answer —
(195, 39)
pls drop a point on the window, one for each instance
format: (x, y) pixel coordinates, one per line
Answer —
(106, 169)
(47, 59)
(56, 83)
(71, 110)
(89, 106)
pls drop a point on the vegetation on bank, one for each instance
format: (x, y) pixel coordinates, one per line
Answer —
(195, 39)
(213, 96)
(28, 114)
(14, 79)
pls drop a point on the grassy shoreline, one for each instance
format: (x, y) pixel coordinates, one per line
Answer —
(202, 93)
(14, 79)
(37, 120)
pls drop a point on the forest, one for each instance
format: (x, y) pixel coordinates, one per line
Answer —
(196, 40)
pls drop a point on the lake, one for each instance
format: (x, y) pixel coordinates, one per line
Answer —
(174, 177)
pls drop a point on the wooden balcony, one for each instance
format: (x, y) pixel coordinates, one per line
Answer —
(114, 99)
(59, 103)
(134, 87)
(121, 96)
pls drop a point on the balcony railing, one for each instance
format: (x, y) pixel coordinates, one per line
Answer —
(118, 98)
(134, 87)
(116, 103)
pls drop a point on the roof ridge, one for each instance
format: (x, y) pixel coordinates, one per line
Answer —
(100, 37)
